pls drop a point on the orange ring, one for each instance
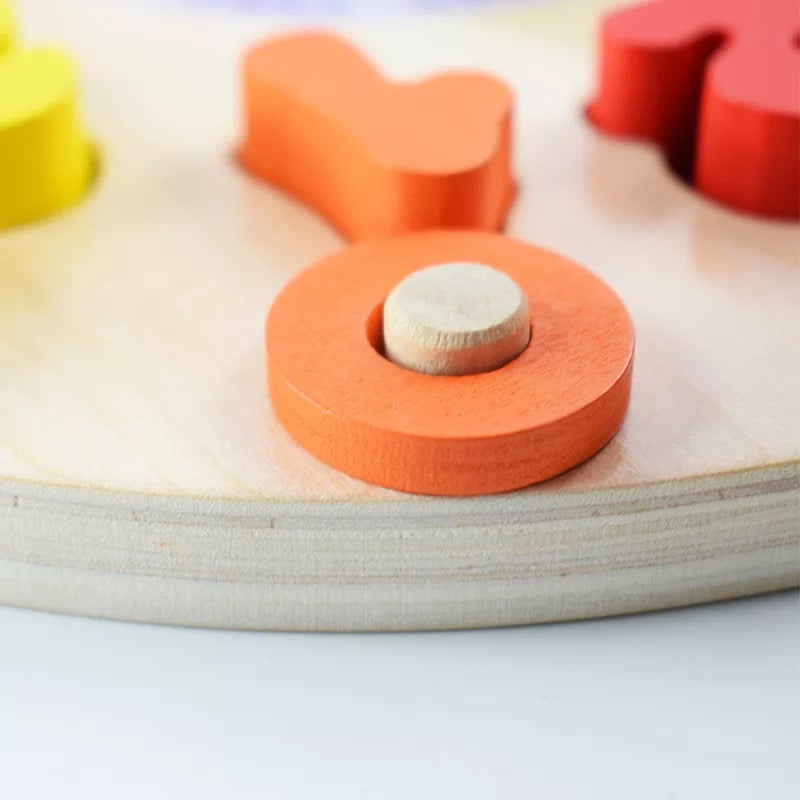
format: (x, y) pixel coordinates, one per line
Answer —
(550, 409)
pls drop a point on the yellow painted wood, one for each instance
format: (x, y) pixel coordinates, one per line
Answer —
(46, 160)
(7, 27)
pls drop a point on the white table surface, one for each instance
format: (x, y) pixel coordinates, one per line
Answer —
(694, 703)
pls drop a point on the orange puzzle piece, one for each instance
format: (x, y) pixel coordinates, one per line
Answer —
(373, 156)
(555, 405)
(716, 83)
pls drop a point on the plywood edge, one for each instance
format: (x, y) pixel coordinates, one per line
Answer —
(414, 564)
(393, 606)
(750, 481)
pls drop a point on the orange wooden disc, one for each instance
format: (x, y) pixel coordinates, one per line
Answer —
(546, 411)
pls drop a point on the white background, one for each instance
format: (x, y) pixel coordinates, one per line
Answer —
(693, 703)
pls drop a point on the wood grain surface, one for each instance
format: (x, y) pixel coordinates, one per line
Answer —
(144, 475)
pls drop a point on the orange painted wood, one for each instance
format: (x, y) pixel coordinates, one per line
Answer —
(548, 410)
(376, 157)
(716, 83)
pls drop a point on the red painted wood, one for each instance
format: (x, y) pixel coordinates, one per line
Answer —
(715, 83)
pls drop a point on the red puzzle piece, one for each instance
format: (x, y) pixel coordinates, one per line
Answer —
(716, 83)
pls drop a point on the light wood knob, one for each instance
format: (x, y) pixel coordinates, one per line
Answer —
(455, 319)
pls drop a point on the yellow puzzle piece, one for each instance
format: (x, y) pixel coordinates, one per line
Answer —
(6, 27)
(46, 160)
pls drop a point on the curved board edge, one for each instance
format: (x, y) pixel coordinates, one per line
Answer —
(508, 560)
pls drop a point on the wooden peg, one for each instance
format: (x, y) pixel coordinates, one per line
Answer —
(455, 319)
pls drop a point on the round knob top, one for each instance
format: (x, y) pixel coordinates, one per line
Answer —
(455, 319)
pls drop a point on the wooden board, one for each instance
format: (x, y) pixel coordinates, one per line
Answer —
(144, 475)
